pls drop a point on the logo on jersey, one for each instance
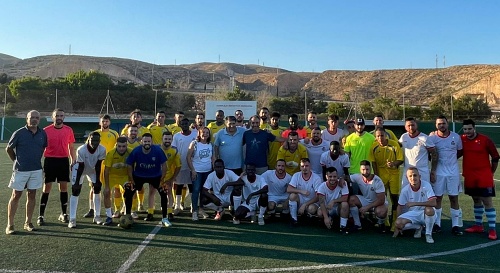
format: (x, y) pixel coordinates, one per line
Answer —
(153, 158)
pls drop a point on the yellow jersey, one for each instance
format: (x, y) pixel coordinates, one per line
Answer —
(140, 131)
(108, 138)
(292, 160)
(132, 145)
(174, 128)
(157, 133)
(274, 146)
(173, 161)
(117, 165)
(381, 154)
(214, 128)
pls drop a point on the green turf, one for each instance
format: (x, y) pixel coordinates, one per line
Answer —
(209, 245)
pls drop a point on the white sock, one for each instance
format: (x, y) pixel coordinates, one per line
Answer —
(455, 217)
(293, 209)
(262, 210)
(438, 216)
(212, 206)
(343, 222)
(236, 201)
(355, 215)
(73, 206)
(108, 212)
(97, 205)
(429, 223)
(380, 221)
(178, 201)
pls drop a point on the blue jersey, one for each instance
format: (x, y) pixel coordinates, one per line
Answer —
(147, 165)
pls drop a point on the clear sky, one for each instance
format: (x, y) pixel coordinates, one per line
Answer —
(294, 35)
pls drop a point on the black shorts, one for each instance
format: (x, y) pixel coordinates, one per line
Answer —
(140, 181)
(480, 192)
(56, 169)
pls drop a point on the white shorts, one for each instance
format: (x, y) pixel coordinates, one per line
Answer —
(183, 178)
(447, 184)
(30, 180)
(90, 177)
(365, 201)
(277, 199)
(415, 216)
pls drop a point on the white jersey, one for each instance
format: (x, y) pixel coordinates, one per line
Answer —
(332, 194)
(328, 137)
(276, 186)
(250, 187)
(83, 155)
(369, 189)
(181, 142)
(340, 163)
(447, 148)
(415, 151)
(315, 152)
(311, 185)
(214, 183)
(423, 194)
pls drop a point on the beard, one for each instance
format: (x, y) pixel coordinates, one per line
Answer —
(146, 146)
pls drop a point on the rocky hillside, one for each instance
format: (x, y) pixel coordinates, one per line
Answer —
(419, 86)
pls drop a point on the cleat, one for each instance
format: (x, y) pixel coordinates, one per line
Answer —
(344, 230)
(134, 215)
(141, 208)
(293, 222)
(436, 229)
(170, 216)
(475, 229)
(381, 228)
(29, 227)
(72, 223)
(89, 214)
(456, 231)
(218, 215)
(40, 221)
(165, 222)
(117, 214)
(108, 222)
(236, 221)
(63, 217)
(418, 233)
(492, 234)
(356, 228)
(202, 214)
(261, 221)
(9, 230)
(149, 217)
(97, 220)
(195, 216)
(428, 238)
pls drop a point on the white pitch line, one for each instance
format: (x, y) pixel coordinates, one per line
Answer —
(133, 257)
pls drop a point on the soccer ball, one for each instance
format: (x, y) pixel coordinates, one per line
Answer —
(126, 221)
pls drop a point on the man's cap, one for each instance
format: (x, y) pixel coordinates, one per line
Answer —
(360, 121)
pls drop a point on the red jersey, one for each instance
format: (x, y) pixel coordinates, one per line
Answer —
(476, 155)
(301, 132)
(58, 140)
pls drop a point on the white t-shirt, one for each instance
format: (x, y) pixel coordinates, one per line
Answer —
(332, 194)
(415, 151)
(311, 185)
(328, 137)
(369, 189)
(213, 182)
(340, 163)
(315, 152)
(276, 186)
(423, 194)
(181, 142)
(202, 157)
(447, 148)
(249, 187)
(83, 155)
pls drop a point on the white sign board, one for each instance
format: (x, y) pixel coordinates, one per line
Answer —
(249, 108)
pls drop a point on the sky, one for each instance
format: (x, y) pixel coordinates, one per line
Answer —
(312, 36)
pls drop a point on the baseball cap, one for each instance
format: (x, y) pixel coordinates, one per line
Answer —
(360, 121)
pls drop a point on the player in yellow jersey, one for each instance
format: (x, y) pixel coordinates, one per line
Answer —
(378, 122)
(158, 127)
(115, 175)
(173, 168)
(199, 121)
(264, 120)
(218, 124)
(312, 119)
(175, 127)
(386, 156)
(274, 146)
(136, 119)
(293, 154)
(132, 142)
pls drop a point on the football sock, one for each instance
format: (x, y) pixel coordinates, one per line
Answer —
(478, 214)
(63, 196)
(429, 223)
(262, 210)
(438, 216)
(135, 203)
(73, 206)
(97, 204)
(108, 212)
(117, 202)
(178, 199)
(183, 196)
(355, 215)
(293, 209)
(170, 210)
(343, 222)
(455, 215)
(237, 201)
(491, 215)
(151, 210)
(381, 221)
(140, 197)
(43, 203)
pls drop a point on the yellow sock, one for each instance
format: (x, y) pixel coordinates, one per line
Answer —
(184, 193)
(140, 195)
(117, 202)
(151, 210)
(135, 204)
(170, 210)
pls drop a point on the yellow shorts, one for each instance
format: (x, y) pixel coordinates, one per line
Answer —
(392, 181)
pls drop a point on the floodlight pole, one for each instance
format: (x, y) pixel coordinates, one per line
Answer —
(452, 118)
(4, 113)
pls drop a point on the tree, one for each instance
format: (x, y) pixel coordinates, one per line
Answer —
(469, 107)
(338, 109)
(388, 107)
(238, 94)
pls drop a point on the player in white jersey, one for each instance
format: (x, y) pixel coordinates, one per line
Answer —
(333, 200)
(449, 147)
(254, 195)
(333, 158)
(371, 197)
(277, 182)
(215, 180)
(316, 146)
(416, 148)
(302, 189)
(88, 162)
(332, 133)
(416, 206)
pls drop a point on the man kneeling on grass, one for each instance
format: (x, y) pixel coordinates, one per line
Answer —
(416, 207)
(333, 196)
(254, 195)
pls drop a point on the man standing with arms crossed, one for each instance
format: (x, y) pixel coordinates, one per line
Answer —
(478, 176)
(25, 149)
(56, 165)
